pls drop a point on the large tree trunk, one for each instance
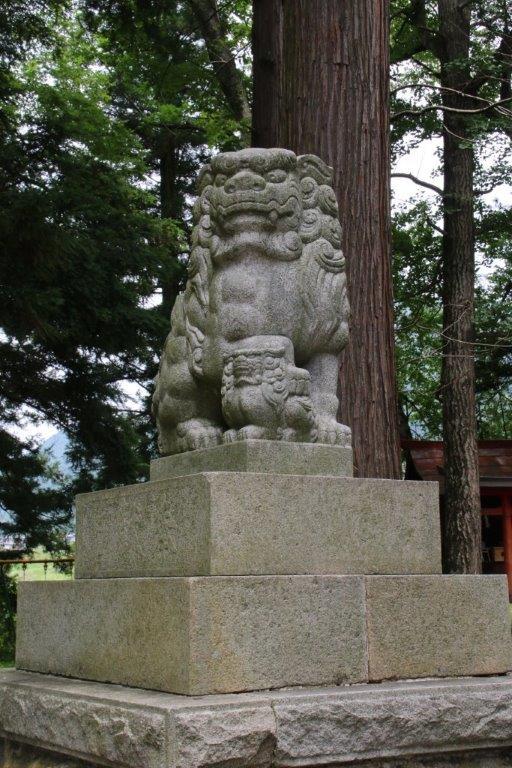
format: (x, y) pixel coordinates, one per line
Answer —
(334, 102)
(267, 72)
(462, 523)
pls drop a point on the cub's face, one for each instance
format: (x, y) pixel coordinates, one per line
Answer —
(255, 190)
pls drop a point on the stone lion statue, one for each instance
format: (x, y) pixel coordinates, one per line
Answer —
(255, 338)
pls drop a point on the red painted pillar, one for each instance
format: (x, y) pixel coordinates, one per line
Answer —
(506, 502)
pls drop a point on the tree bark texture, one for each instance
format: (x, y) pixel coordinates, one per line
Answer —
(333, 102)
(267, 71)
(462, 522)
(222, 58)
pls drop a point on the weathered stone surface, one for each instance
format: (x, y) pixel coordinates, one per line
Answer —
(196, 635)
(422, 626)
(496, 758)
(15, 755)
(272, 456)
(107, 724)
(234, 523)
(386, 721)
(129, 631)
(242, 735)
(465, 723)
(152, 529)
(255, 339)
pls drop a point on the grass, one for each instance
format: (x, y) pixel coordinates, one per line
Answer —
(36, 572)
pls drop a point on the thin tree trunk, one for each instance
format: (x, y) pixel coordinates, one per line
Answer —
(170, 208)
(334, 103)
(462, 523)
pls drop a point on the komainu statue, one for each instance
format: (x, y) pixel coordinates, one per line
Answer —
(255, 338)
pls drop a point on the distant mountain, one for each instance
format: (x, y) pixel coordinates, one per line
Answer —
(56, 446)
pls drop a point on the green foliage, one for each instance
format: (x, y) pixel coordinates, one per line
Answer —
(418, 321)
(34, 497)
(82, 253)
(418, 312)
(107, 111)
(7, 617)
(417, 230)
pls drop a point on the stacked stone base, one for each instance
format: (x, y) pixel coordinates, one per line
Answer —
(276, 574)
(464, 723)
(221, 634)
(217, 582)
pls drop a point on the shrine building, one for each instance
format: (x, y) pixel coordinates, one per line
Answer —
(495, 462)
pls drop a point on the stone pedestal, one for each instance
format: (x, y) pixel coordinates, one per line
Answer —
(205, 582)
(464, 723)
(221, 634)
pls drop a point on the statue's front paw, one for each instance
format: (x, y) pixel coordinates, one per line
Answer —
(198, 433)
(249, 432)
(229, 436)
(331, 432)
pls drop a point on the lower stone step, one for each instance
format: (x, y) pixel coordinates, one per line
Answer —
(451, 723)
(199, 635)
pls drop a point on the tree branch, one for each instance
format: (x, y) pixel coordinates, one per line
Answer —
(221, 57)
(420, 182)
(444, 108)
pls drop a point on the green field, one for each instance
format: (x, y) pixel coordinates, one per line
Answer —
(36, 572)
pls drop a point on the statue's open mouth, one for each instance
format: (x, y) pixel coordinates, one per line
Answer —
(249, 204)
(244, 206)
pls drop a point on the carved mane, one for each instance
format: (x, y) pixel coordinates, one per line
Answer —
(319, 248)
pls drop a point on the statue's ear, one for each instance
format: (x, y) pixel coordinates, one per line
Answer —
(311, 165)
(205, 178)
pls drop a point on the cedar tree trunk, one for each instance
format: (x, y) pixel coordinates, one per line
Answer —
(267, 72)
(462, 523)
(332, 100)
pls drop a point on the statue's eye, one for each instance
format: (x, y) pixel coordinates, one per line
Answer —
(277, 176)
(220, 180)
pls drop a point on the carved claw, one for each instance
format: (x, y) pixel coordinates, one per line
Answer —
(229, 436)
(288, 435)
(249, 432)
(197, 433)
(253, 432)
(332, 432)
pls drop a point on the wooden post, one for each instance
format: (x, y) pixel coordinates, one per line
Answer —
(506, 499)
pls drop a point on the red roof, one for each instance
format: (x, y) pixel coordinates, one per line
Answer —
(495, 460)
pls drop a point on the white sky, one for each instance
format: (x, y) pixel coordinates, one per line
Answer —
(420, 162)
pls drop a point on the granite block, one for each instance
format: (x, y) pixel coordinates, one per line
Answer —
(233, 523)
(453, 723)
(272, 456)
(437, 626)
(196, 635)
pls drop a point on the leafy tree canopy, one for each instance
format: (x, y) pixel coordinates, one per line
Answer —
(417, 104)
